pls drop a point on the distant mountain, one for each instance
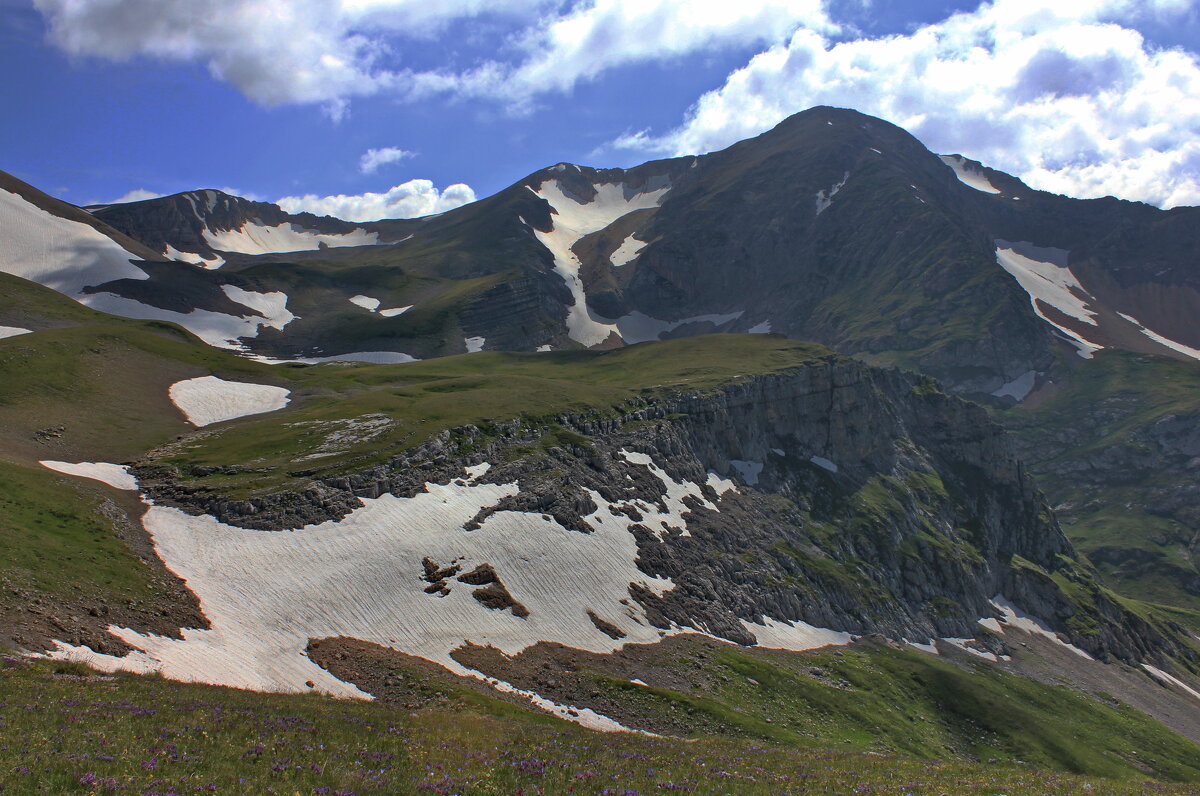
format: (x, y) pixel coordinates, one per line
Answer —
(834, 227)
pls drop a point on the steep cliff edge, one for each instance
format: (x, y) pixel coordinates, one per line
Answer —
(865, 501)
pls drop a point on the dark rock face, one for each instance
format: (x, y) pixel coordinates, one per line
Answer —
(881, 505)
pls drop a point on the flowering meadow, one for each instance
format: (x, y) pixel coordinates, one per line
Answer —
(64, 729)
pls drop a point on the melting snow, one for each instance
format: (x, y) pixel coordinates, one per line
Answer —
(115, 475)
(1011, 616)
(366, 302)
(256, 238)
(13, 331)
(545, 347)
(1049, 282)
(1019, 387)
(825, 197)
(394, 311)
(207, 399)
(573, 220)
(1158, 338)
(629, 248)
(762, 328)
(968, 174)
(474, 344)
(1168, 679)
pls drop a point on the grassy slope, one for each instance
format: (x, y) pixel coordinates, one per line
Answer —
(1094, 421)
(423, 398)
(72, 732)
(914, 704)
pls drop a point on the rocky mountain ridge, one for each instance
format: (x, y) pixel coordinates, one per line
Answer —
(867, 501)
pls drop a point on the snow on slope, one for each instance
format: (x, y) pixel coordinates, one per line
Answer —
(372, 305)
(1158, 338)
(253, 238)
(207, 399)
(629, 248)
(968, 174)
(69, 256)
(267, 594)
(825, 197)
(115, 475)
(56, 252)
(1049, 282)
(13, 331)
(573, 220)
(212, 262)
(366, 302)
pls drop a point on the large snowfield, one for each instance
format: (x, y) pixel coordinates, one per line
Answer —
(267, 593)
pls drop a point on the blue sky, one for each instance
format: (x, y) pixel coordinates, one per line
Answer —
(284, 99)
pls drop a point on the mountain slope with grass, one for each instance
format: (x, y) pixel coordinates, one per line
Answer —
(583, 501)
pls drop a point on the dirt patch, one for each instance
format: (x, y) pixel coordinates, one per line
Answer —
(398, 679)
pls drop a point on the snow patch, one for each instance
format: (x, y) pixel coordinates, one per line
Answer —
(207, 399)
(822, 462)
(1158, 338)
(1019, 387)
(257, 238)
(825, 197)
(1011, 616)
(474, 344)
(544, 347)
(211, 262)
(795, 636)
(115, 475)
(574, 219)
(968, 174)
(762, 328)
(272, 306)
(370, 357)
(629, 248)
(366, 302)
(1168, 679)
(392, 312)
(13, 331)
(748, 470)
(637, 327)
(1049, 282)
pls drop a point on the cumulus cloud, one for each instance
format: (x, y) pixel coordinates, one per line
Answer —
(136, 195)
(1063, 95)
(407, 200)
(372, 159)
(330, 51)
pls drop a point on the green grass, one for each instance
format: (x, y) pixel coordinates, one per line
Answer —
(67, 733)
(422, 399)
(1100, 416)
(56, 542)
(904, 702)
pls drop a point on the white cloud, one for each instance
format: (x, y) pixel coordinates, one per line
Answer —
(1061, 94)
(372, 159)
(330, 51)
(136, 195)
(408, 200)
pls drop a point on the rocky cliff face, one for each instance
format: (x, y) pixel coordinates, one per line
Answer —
(866, 501)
